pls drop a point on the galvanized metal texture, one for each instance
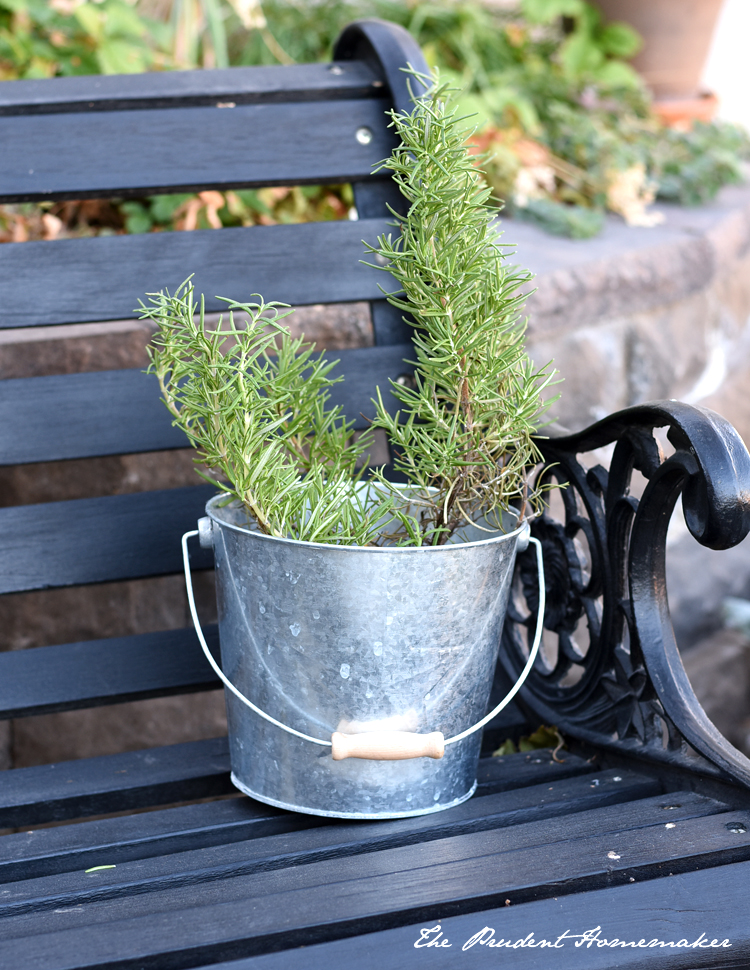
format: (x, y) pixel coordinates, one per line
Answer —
(389, 743)
(328, 638)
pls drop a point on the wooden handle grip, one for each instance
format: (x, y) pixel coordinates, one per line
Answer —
(387, 745)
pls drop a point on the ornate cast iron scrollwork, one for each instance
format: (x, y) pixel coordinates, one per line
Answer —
(625, 687)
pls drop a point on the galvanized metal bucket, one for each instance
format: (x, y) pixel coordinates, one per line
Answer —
(319, 639)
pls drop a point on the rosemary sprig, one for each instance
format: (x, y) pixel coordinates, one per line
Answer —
(254, 401)
(259, 421)
(466, 426)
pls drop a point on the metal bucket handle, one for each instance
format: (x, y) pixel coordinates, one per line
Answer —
(376, 745)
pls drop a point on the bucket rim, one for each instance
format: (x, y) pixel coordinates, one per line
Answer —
(505, 537)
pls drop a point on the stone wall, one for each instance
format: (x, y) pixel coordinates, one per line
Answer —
(641, 314)
(634, 315)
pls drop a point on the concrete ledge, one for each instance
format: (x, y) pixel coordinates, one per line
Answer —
(630, 269)
(641, 314)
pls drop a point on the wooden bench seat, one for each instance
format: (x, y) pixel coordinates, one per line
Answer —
(208, 883)
(638, 831)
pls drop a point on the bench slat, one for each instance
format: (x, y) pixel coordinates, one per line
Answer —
(48, 851)
(321, 842)
(366, 893)
(83, 416)
(120, 412)
(115, 783)
(682, 907)
(71, 848)
(99, 539)
(243, 85)
(111, 783)
(84, 280)
(132, 153)
(72, 675)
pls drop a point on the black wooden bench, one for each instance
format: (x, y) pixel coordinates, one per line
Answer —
(636, 835)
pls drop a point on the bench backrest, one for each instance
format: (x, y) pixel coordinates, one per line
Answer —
(133, 136)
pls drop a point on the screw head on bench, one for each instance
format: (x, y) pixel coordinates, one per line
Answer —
(364, 135)
(738, 828)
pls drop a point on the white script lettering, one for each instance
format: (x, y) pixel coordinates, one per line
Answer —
(431, 937)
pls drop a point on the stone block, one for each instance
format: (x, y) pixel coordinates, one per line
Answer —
(592, 362)
(121, 727)
(719, 672)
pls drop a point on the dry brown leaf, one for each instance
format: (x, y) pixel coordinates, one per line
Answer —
(52, 226)
(629, 192)
(20, 230)
(213, 201)
(190, 220)
(531, 153)
(533, 182)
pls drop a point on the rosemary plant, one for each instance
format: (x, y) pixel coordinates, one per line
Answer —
(464, 434)
(254, 401)
(257, 415)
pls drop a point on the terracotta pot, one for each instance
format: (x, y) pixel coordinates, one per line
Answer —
(680, 113)
(676, 37)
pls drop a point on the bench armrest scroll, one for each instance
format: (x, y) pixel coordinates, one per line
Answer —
(626, 688)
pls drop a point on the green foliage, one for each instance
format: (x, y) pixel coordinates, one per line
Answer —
(242, 207)
(198, 31)
(589, 140)
(573, 221)
(207, 210)
(588, 50)
(466, 426)
(41, 39)
(547, 11)
(292, 30)
(260, 420)
(543, 737)
(688, 167)
(619, 40)
(253, 402)
(136, 217)
(549, 70)
(554, 71)
(692, 166)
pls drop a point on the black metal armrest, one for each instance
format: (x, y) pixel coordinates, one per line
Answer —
(611, 673)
